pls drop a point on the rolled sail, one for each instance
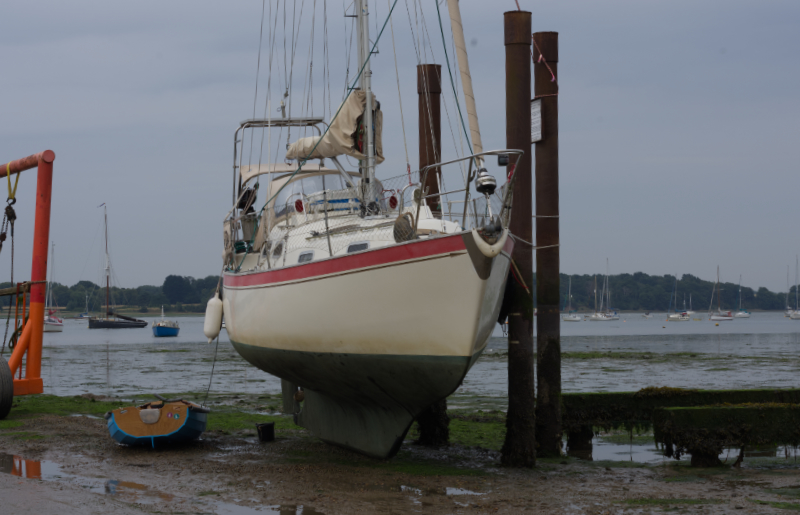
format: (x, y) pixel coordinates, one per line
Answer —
(342, 137)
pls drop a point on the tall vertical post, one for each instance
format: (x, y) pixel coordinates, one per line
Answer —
(41, 241)
(365, 82)
(519, 449)
(429, 88)
(548, 325)
(30, 341)
(433, 421)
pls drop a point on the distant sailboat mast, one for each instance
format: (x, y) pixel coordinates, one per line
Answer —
(108, 261)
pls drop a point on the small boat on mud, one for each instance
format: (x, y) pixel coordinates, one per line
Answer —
(159, 422)
(165, 327)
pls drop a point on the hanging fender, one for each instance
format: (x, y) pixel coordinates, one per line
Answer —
(487, 250)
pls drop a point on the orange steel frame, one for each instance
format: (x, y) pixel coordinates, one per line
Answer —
(30, 341)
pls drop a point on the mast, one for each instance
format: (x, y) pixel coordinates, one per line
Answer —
(49, 294)
(466, 79)
(787, 287)
(795, 283)
(595, 294)
(108, 262)
(740, 292)
(365, 83)
(719, 293)
(569, 296)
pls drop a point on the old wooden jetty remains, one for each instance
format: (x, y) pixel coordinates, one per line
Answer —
(697, 422)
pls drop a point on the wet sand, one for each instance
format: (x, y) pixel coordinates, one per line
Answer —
(77, 468)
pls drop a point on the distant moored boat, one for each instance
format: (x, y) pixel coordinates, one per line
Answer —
(165, 327)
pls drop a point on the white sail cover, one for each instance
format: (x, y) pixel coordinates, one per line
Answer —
(341, 137)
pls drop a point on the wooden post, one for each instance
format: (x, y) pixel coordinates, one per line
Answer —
(548, 324)
(429, 88)
(433, 421)
(519, 448)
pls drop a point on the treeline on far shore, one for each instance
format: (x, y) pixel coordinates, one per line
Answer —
(629, 292)
(643, 292)
(178, 293)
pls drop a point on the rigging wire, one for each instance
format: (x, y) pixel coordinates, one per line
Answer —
(258, 73)
(311, 152)
(452, 83)
(399, 96)
(267, 103)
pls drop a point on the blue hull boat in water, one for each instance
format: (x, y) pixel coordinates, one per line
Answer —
(160, 330)
(160, 422)
(165, 327)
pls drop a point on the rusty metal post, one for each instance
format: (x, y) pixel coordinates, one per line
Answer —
(429, 88)
(519, 448)
(433, 422)
(548, 325)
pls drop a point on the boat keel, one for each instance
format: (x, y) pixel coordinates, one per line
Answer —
(376, 431)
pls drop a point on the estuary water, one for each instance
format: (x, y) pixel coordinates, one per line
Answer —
(625, 355)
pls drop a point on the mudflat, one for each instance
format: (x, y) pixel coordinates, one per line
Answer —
(57, 457)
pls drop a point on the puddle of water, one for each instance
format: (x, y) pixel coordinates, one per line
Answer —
(460, 491)
(127, 490)
(650, 454)
(223, 508)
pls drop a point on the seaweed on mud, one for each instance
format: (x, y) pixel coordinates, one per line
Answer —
(705, 431)
(663, 391)
(634, 410)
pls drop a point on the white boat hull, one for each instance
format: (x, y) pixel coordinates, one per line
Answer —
(678, 318)
(571, 318)
(53, 328)
(372, 337)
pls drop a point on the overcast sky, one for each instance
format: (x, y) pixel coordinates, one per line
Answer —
(678, 120)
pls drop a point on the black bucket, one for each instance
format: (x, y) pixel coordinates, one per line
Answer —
(266, 431)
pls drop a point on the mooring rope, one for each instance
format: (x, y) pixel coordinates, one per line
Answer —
(213, 364)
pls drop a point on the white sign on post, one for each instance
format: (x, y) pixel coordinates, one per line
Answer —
(536, 120)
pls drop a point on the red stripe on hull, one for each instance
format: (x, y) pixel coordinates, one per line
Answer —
(370, 258)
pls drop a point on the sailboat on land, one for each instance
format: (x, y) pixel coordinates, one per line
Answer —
(371, 297)
(570, 316)
(112, 320)
(52, 323)
(719, 315)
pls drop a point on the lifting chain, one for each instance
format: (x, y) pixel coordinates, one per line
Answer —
(9, 217)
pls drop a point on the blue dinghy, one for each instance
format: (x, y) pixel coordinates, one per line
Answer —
(158, 422)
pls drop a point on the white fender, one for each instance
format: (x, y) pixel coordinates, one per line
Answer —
(213, 321)
(487, 250)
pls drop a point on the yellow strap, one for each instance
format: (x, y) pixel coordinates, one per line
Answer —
(11, 192)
